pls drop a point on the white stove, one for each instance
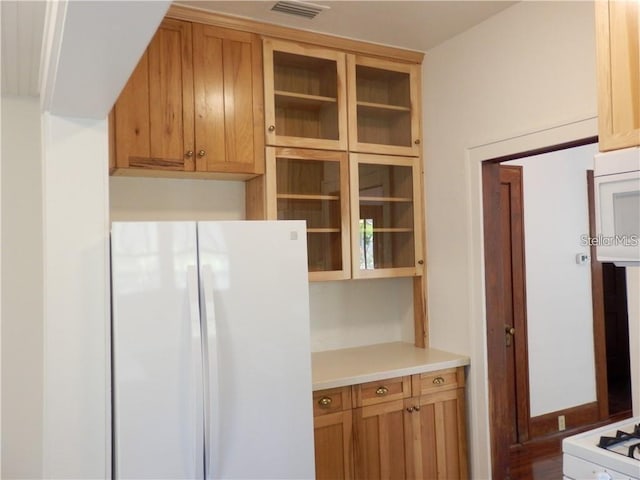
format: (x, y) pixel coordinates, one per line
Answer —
(611, 452)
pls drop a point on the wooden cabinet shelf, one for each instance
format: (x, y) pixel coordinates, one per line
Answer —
(380, 108)
(303, 101)
(291, 196)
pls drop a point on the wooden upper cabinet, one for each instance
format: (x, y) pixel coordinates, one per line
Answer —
(193, 103)
(384, 106)
(386, 216)
(153, 117)
(618, 63)
(312, 185)
(305, 96)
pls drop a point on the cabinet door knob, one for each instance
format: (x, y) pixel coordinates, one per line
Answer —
(438, 381)
(410, 409)
(201, 153)
(272, 128)
(189, 154)
(382, 391)
(420, 262)
(417, 141)
(416, 408)
(325, 402)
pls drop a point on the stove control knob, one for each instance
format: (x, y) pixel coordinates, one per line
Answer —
(603, 476)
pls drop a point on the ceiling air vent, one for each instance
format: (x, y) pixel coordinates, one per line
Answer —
(301, 9)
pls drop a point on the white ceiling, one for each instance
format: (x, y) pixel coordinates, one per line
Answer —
(417, 25)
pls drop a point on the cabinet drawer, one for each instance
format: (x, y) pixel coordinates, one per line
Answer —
(331, 400)
(381, 391)
(437, 381)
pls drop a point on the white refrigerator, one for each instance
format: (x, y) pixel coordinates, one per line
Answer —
(211, 351)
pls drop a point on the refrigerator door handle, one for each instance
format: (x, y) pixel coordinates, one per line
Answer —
(212, 387)
(196, 358)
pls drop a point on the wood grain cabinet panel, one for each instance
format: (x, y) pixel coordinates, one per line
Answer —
(193, 103)
(618, 65)
(333, 434)
(403, 428)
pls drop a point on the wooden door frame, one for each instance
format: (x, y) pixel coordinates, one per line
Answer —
(496, 356)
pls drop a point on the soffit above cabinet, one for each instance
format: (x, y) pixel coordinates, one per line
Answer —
(417, 25)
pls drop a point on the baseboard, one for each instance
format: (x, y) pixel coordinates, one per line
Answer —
(574, 417)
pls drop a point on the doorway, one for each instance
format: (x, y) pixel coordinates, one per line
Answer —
(509, 425)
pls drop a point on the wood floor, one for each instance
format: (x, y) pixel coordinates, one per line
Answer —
(539, 466)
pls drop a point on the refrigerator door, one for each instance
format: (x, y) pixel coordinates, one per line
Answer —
(157, 352)
(256, 316)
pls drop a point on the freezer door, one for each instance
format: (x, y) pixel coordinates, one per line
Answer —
(259, 422)
(157, 354)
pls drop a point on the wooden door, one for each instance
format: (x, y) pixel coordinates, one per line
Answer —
(380, 433)
(515, 324)
(228, 100)
(153, 117)
(438, 433)
(618, 62)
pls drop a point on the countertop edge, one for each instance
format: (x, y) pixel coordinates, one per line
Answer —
(380, 374)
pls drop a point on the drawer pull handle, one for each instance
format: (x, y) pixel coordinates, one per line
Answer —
(438, 381)
(325, 402)
(382, 391)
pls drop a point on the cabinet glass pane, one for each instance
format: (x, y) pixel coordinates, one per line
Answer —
(386, 216)
(310, 190)
(383, 106)
(306, 94)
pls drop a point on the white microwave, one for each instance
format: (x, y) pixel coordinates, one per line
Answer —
(617, 199)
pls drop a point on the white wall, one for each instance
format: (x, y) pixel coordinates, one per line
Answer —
(343, 313)
(559, 309)
(531, 68)
(21, 289)
(76, 424)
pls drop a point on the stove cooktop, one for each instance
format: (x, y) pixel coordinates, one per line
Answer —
(625, 443)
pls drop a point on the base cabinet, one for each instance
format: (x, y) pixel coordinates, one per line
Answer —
(403, 428)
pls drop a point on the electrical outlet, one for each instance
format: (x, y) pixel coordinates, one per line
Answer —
(561, 423)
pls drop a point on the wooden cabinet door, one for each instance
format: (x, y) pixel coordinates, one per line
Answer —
(386, 216)
(438, 449)
(618, 63)
(333, 446)
(305, 96)
(380, 439)
(227, 75)
(384, 106)
(153, 117)
(312, 185)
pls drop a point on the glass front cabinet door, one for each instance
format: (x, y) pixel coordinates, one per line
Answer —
(305, 96)
(312, 185)
(383, 106)
(386, 209)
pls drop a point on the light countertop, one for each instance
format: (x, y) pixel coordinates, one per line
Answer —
(350, 366)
